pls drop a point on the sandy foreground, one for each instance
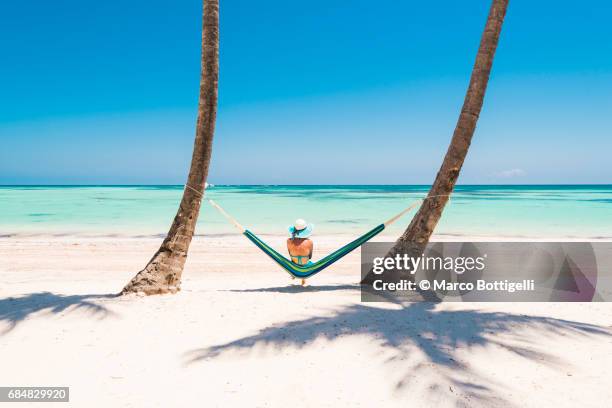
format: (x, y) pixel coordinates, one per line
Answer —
(241, 333)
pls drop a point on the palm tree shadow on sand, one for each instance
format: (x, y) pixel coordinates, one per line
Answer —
(422, 341)
(14, 310)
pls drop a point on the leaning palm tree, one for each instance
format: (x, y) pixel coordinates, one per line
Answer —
(414, 240)
(163, 272)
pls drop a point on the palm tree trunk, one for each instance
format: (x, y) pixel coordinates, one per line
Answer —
(414, 240)
(163, 272)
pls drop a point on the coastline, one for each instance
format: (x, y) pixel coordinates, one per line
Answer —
(235, 237)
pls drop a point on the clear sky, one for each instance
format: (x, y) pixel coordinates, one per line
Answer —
(359, 92)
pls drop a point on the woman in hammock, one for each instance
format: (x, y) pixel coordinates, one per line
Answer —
(298, 244)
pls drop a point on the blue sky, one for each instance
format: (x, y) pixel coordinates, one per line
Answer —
(310, 92)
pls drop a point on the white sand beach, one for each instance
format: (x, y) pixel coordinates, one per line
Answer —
(241, 333)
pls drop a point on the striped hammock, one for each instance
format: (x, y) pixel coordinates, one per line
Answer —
(310, 269)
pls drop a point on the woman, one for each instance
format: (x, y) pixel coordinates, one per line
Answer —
(298, 244)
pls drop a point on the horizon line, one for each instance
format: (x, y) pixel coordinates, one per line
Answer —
(302, 185)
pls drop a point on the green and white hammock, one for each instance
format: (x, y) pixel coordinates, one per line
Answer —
(308, 270)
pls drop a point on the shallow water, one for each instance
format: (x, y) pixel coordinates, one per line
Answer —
(528, 211)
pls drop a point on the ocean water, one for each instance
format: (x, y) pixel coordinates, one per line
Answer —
(583, 211)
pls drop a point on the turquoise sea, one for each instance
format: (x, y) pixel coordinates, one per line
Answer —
(583, 211)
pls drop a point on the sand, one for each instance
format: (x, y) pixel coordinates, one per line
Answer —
(241, 333)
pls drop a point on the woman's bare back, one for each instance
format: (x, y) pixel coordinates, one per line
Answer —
(300, 250)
